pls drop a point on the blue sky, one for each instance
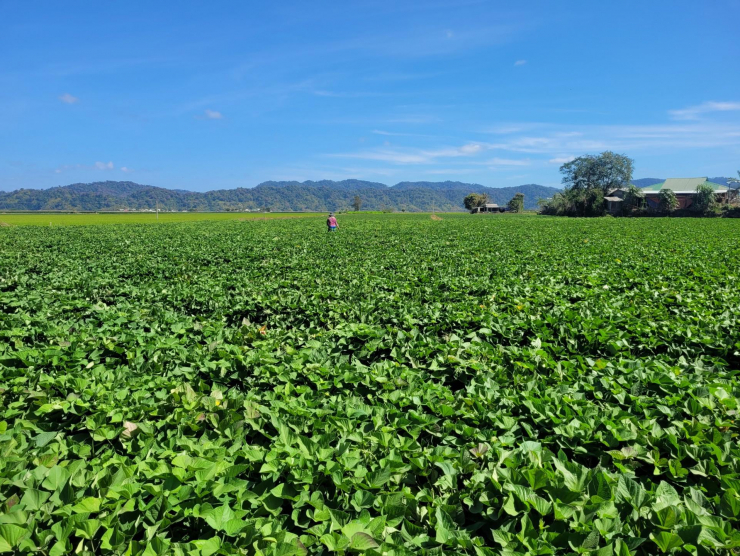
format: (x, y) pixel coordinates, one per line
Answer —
(202, 96)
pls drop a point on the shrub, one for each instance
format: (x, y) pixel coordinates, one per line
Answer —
(667, 201)
(571, 202)
(634, 199)
(705, 200)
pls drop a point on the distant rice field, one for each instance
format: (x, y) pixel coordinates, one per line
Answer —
(62, 219)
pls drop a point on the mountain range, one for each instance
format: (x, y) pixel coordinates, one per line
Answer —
(276, 196)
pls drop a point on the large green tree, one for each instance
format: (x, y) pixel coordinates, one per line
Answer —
(587, 180)
(517, 203)
(605, 172)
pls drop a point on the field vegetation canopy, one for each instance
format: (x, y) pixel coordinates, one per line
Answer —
(489, 386)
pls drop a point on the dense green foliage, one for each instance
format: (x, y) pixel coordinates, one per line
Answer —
(705, 199)
(634, 199)
(587, 202)
(588, 179)
(668, 201)
(516, 204)
(514, 386)
(313, 196)
(475, 200)
(91, 219)
(604, 172)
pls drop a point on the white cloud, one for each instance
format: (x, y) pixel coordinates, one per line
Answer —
(104, 165)
(507, 162)
(471, 148)
(561, 159)
(520, 62)
(126, 170)
(693, 112)
(213, 115)
(68, 99)
(449, 34)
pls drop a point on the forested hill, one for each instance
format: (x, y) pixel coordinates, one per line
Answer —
(271, 195)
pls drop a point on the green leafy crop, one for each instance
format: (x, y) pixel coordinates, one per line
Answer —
(512, 386)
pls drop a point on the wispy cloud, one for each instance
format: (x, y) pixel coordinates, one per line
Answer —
(322, 172)
(561, 159)
(213, 115)
(507, 162)
(415, 156)
(126, 170)
(400, 134)
(105, 166)
(694, 112)
(550, 144)
(450, 171)
(387, 155)
(349, 94)
(103, 65)
(413, 119)
(68, 99)
(422, 41)
(400, 76)
(392, 133)
(520, 62)
(510, 128)
(558, 139)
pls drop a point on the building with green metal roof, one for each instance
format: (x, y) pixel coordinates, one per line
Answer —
(684, 188)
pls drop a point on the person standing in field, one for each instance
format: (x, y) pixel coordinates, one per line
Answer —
(331, 223)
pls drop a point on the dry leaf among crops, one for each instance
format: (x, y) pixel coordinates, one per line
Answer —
(129, 429)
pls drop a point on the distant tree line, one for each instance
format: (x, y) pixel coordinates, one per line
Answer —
(273, 196)
(590, 178)
(476, 200)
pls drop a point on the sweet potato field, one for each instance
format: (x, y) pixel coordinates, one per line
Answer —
(472, 385)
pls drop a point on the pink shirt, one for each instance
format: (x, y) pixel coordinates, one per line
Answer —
(332, 222)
